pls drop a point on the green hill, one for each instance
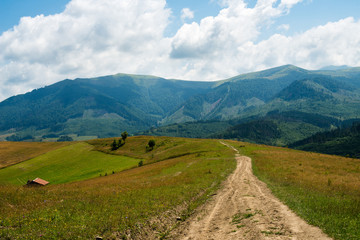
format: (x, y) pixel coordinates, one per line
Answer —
(288, 88)
(103, 107)
(143, 202)
(342, 141)
(235, 96)
(67, 164)
(275, 128)
(324, 96)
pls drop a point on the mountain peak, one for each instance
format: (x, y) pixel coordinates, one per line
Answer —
(273, 73)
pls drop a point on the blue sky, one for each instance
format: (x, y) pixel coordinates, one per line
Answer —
(45, 41)
(12, 10)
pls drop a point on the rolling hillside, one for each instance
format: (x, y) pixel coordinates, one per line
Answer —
(67, 164)
(178, 175)
(275, 128)
(12, 153)
(142, 202)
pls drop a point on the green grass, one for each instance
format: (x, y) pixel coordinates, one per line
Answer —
(135, 202)
(322, 189)
(71, 163)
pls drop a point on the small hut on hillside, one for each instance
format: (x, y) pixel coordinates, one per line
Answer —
(37, 182)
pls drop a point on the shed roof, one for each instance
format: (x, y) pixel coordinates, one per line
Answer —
(41, 181)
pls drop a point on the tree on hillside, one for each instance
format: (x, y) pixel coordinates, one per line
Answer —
(151, 145)
(114, 145)
(124, 135)
(121, 143)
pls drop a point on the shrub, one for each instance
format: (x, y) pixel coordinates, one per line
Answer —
(151, 143)
(150, 146)
(114, 145)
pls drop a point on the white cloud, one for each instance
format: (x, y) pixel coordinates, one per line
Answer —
(89, 38)
(216, 45)
(93, 38)
(289, 3)
(284, 27)
(186, 13)
(336, 43)
(228, 44)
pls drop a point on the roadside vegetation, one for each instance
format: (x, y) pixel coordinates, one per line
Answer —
(176, 176)
(322, 189)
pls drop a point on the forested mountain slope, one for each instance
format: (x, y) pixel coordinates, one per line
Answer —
(107, 106)
(103, 106)
(341, 141)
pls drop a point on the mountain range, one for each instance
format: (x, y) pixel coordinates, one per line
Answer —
(281, 105)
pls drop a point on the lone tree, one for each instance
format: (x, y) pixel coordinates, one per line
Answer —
(151, 145)
(124, 135)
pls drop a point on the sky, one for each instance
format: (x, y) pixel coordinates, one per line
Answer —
(46, 41)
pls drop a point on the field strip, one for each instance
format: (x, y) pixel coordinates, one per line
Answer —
(245, 209)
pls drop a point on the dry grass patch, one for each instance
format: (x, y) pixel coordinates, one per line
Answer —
(15, 152)
(319, 172)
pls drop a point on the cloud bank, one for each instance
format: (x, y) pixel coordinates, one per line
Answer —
(93, 38)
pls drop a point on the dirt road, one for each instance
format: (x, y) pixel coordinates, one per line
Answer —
(245, 209)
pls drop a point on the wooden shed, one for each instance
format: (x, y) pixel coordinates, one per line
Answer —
(37, 182)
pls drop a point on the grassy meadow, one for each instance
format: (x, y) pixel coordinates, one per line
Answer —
(322, 189)
(178, 175)
(15, 152)
(67, 164)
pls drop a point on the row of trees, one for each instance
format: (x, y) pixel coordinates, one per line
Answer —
(117, 144)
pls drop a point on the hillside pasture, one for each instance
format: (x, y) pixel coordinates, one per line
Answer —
(143, 202)
(15, 152)
(68, 164)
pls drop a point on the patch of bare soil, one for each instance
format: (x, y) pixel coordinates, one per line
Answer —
(244, 208)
